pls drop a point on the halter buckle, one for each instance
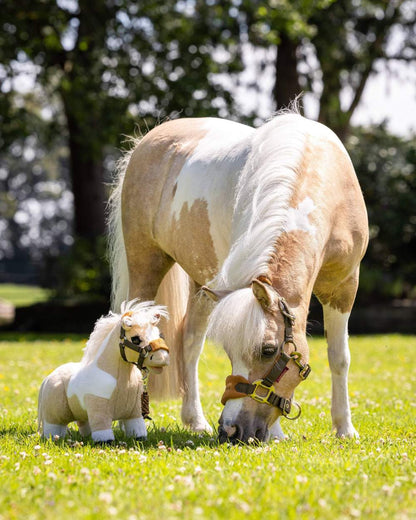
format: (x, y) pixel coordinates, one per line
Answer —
(261, 398)
(304, 370)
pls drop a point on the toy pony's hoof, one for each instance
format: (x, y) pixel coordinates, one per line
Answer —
(103, 436)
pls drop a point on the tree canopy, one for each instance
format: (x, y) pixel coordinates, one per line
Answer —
(94, 69)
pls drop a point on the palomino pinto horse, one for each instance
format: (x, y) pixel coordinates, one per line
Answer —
(263, 218)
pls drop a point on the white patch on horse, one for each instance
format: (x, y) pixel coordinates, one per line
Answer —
(298, 218)
(210, 175)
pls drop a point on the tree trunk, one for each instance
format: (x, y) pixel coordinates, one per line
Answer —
(286, 86)
(86, 165)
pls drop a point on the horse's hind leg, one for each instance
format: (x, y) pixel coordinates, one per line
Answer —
(336, 314)
(199, 309)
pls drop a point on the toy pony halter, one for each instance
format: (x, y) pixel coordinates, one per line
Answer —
(143, 351)
(261, 390)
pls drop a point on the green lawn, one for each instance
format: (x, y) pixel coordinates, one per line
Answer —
(21, 295)
(180, 475)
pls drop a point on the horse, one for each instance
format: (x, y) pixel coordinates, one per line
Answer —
(109, 382)
(257, 220)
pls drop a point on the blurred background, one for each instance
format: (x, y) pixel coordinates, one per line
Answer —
(79, 76)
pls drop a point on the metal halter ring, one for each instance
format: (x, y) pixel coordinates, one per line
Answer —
(294, 417)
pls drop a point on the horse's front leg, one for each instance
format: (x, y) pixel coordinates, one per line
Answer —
(336, 328)
(199, 309)
(100, 418)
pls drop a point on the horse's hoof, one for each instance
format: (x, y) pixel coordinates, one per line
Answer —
(110, 442)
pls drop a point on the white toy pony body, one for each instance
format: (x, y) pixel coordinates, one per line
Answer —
(105, 385)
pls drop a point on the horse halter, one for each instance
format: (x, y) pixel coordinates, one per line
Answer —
(261, 390)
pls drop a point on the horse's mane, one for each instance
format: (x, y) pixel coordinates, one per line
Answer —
(262, 199)
(142, 313)
(238, 321)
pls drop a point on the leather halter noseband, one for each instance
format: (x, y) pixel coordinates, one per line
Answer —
(261, 390)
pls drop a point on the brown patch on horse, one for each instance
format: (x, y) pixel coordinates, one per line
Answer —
(148, 188)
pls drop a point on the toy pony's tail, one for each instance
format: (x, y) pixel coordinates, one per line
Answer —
(40, 409)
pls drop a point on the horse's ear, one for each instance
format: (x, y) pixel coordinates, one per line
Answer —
(265, 294)
(214, 295)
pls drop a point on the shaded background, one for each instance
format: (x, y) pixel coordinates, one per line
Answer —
(77, 77)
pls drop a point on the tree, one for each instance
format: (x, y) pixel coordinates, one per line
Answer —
(386, 167)
(330, 48)
(350, 39)
(107, 61)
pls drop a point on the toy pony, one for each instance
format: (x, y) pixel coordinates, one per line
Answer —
(106, 384)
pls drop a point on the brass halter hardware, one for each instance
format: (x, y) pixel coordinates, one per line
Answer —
(262, 390)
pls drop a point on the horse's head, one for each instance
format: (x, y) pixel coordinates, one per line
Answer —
(140, 339)
(268, 358)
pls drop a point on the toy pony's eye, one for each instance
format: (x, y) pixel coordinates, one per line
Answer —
(136, 340)
(268, 351)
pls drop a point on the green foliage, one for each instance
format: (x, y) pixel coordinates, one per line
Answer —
(386, 168)
(176, 474)
(83, 272)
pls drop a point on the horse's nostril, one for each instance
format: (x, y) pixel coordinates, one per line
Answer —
(231, 430)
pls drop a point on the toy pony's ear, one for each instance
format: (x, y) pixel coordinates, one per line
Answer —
(155, 319)
(126, 321)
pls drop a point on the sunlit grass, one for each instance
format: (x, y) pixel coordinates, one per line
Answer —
(177, 474)
(21, 295)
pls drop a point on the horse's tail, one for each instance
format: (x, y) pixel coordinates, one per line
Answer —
(174, 292)
(116, 247)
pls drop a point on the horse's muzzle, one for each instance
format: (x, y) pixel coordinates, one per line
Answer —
(244, 432)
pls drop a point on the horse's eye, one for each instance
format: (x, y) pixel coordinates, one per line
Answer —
(136, 340)
(268, 351)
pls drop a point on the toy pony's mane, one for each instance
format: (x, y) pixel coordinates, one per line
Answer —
(141, 313)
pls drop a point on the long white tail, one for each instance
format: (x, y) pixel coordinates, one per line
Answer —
(173, 292)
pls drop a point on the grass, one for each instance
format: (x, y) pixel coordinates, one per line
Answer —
(22, 295)
(176, 474)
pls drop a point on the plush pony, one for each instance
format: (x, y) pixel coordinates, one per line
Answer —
(107, 384)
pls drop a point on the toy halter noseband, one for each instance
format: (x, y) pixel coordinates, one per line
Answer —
(261, 390)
